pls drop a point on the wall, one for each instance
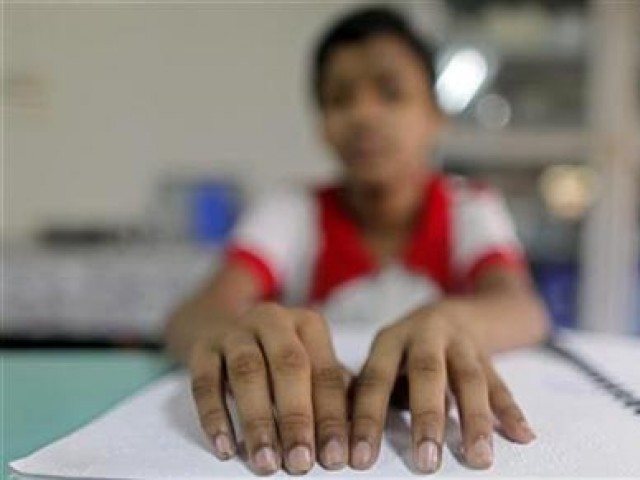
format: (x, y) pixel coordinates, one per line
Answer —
(104, 100)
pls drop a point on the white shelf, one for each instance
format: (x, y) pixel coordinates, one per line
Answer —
(478, 147)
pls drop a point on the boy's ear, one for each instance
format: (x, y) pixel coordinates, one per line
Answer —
(439, 120)
(444, 120)
(437, 125)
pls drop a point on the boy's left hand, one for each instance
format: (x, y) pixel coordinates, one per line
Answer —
(439, 352)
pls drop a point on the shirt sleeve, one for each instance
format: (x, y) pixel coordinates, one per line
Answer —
(269, 238)
(484, 234)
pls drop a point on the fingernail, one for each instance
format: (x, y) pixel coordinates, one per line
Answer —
(427, 458)
(526, 429)
(265, 460)
(222, 446)
(480, 454)
(362, 455)
(299, 459)
(333, 454)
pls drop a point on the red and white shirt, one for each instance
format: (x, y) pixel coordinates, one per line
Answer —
(305, 249)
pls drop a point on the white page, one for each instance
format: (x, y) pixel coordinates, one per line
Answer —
(616, 356)
(582, 432)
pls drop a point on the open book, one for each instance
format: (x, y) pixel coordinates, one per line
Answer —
(581, 397)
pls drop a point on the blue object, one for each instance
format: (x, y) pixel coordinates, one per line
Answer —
(558, 285)
(214, 207)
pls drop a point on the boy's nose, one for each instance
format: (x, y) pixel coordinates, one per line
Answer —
(367, 106)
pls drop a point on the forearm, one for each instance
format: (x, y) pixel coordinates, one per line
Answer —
(500, 320)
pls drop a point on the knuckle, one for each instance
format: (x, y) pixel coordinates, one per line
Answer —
(256, 426)
(246, 365)
(328, 378)
(203, 354)
(295, 421)
(310, 316)
(426, 364)
(211, 419)
(328, 424)
(428, 419)
(468, 374)
(232, 339)
(202, 385)
(268, 310)
(478, 420)
(290, 359)
(367, 422)
(435, 323)
(373, 378)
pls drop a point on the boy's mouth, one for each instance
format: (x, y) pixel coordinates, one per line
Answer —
(366, 150)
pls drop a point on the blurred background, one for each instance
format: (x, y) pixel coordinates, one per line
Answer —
(134, 133)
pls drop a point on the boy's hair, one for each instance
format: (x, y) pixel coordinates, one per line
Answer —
(360, 25)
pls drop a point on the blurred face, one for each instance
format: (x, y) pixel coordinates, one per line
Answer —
(378, 113)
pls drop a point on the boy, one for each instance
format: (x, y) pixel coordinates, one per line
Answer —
(430, 262)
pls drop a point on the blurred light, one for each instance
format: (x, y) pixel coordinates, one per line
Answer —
(568, 191)
(460, 79)
(493, 111)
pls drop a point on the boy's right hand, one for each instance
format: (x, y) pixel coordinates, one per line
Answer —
(287, 384)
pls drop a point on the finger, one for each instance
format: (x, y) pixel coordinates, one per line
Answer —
(208, 394)
(290, 372)
(512, 421)
(470, 389)
(426, 370)
(330, 381)
(248, 380)
(372, 391)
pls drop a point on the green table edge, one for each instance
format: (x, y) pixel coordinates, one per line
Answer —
(47, 394)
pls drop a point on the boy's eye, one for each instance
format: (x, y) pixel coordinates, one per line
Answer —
(339, 97)
(390, 89)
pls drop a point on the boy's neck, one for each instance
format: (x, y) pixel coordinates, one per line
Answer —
(388, 208)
